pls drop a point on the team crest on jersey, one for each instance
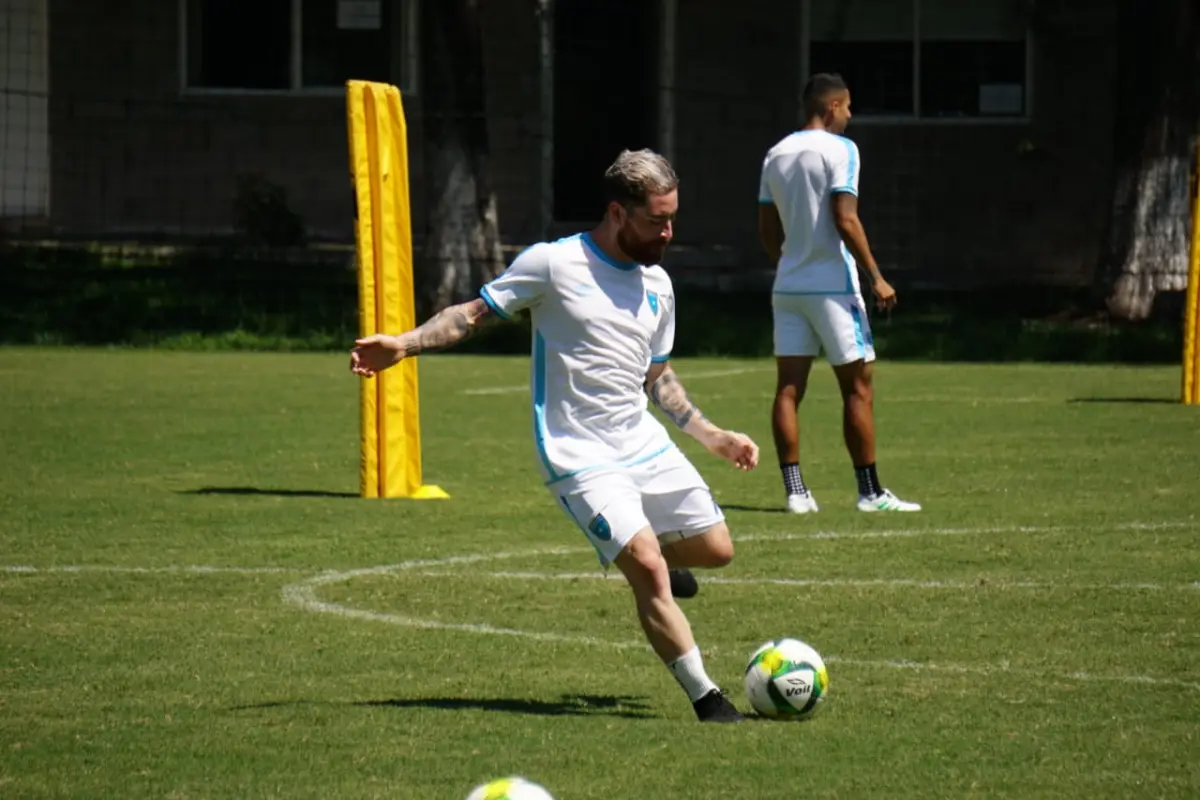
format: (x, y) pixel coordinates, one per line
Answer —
(599, 528)
(652, 299)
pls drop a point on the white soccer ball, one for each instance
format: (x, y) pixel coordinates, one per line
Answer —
(510, 788)
(786, 679)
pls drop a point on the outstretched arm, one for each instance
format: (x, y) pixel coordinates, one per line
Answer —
(669, 396)
(446, 328)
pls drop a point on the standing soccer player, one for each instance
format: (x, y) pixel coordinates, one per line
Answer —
(809, 226)
(603, 315)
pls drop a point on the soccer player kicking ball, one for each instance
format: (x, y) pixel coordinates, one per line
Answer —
(603, 315)
(809, 226)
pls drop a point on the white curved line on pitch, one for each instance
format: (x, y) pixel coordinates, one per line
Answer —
(687, 376)
(1005, 669)
(903, 532)
(196, 569)
(912, 583)
(887, 533)
(304, 595)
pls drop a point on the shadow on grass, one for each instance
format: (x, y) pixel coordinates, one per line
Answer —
(256, 490)
(1135, 400)
(566, 706)
(765, 509)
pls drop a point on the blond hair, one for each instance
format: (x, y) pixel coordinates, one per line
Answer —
(637, 175)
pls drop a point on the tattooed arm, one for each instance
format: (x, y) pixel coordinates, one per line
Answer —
(668, 395)
(444, 329)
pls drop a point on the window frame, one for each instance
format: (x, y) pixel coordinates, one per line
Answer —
(916, 118)
(407, 81)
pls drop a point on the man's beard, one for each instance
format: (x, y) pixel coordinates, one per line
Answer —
(644, 253)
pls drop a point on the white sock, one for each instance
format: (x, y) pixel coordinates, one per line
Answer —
(688, 669)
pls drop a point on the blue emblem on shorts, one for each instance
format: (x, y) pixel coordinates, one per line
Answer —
(652, 299)
(599, 528)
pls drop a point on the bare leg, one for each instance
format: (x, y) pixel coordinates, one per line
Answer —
(666, 628)
(858, 427)
(858, 410)
(791, 382)
(711, 549)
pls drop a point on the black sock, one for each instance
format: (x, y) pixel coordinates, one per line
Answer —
(792, 481)
(868, 481)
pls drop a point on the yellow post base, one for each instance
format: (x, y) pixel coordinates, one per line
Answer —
(1191, 330)
(429, 493)
(389, 403)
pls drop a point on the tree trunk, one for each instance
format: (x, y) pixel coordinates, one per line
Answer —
(462, 243)
(1158, 119)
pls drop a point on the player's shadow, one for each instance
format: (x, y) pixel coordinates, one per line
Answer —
(766, 509)
(256, 490)
(571, 705)
(1135, 400)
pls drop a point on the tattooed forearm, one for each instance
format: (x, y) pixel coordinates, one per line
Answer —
(446, 328)
(668, 395)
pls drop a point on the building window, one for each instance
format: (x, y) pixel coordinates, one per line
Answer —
(295, 45)
(927, 59)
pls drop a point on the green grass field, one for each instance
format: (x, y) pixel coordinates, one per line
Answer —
(195, 604)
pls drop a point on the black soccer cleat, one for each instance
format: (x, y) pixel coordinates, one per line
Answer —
(683, 583)
(715, 707)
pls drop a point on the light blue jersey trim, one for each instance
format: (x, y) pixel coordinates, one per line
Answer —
(852, 156)
(604, 562)
(848, 261)
(607, 259)
(851, 168)
(766, 201)
(539, 404)
(487, 298)
(858, 331)
(613, 465)
(660, 359)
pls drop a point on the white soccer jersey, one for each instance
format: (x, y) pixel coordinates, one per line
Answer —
(597, 326)
(799, 175)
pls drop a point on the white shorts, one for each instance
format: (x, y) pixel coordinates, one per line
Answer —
(664, 493)
(806, 324)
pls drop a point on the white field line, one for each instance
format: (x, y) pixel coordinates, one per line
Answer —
(714, 373)
(907, 532)
(1003, 668)
(974, 400)
(304, 595)
(887, 533)
(867, 583)
(168, 570)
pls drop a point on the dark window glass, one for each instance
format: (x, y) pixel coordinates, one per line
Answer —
(600, 44)
(972, 78)
(870, 44)
(239, 45)
(879, 74)
(345, 41)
